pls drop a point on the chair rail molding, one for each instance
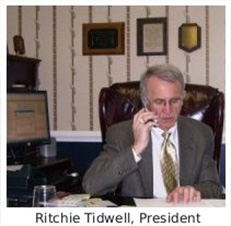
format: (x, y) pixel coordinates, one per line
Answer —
(85, 136)
(77, 136)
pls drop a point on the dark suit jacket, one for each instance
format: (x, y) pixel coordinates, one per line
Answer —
(116, 165)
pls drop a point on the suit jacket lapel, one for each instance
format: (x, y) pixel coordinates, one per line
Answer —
(146, 170)
(186, 152)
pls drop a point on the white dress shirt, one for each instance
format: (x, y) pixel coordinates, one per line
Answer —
(159, 190)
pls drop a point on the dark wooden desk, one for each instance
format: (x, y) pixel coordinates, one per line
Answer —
(53, 165)
(55, 171)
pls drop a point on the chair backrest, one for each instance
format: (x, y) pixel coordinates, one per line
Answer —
(121, 101)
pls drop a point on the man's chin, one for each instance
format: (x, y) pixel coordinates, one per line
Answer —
(167, 125)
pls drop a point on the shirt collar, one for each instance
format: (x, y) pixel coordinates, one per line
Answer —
(172, 130)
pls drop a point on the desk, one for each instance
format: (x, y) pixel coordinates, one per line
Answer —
(53, 171)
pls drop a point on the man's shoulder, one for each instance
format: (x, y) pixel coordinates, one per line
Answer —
(122, 131)
(124, 125)
(193, 124)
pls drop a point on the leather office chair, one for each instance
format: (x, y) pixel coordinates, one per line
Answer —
(121, 101)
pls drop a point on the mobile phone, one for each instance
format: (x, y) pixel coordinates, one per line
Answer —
(151, 120)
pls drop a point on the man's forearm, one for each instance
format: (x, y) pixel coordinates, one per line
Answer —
(106, 173)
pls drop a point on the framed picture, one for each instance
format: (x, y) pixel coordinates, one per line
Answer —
(152, 36)
(103, 38)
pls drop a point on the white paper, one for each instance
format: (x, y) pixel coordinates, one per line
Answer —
(76, 200)
(163, 203)
(80, 200)
(14, 167)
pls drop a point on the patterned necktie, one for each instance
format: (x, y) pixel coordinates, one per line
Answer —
(168, 166)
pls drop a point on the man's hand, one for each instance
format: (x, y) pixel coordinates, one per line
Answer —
(184, 194)
(143, 121)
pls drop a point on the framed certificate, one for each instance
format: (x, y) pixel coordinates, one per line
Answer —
(152, 36)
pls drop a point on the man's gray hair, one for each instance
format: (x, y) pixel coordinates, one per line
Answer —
(166, 72)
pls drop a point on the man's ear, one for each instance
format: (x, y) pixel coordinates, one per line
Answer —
(184, 93)
(144, 103)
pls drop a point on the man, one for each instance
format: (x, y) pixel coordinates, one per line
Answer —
(159, 153)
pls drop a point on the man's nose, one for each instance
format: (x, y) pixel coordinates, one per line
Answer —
(167, 108)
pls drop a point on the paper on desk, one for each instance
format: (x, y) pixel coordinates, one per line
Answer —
(75, 197)
(80, 200)
(14, 167)
(98, 202)
(73, 200)
(163, 203)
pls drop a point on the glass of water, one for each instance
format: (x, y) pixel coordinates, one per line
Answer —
(43, 195)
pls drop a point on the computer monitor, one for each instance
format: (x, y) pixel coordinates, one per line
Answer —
(27, 118)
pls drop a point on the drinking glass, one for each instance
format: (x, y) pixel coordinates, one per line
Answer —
(43, 195)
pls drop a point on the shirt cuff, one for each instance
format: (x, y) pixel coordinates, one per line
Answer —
(136, 156)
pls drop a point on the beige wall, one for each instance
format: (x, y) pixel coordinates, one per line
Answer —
(205, 65)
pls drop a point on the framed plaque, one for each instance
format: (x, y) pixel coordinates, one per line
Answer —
(103, 38)
(189, 37)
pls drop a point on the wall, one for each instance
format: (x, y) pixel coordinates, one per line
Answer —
(73, 97)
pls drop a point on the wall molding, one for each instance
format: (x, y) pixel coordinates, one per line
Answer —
(77, 136)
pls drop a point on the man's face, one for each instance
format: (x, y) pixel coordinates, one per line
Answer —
(165, 100)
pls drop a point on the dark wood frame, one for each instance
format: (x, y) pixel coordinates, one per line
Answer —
(103, 38)
(162, 33)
